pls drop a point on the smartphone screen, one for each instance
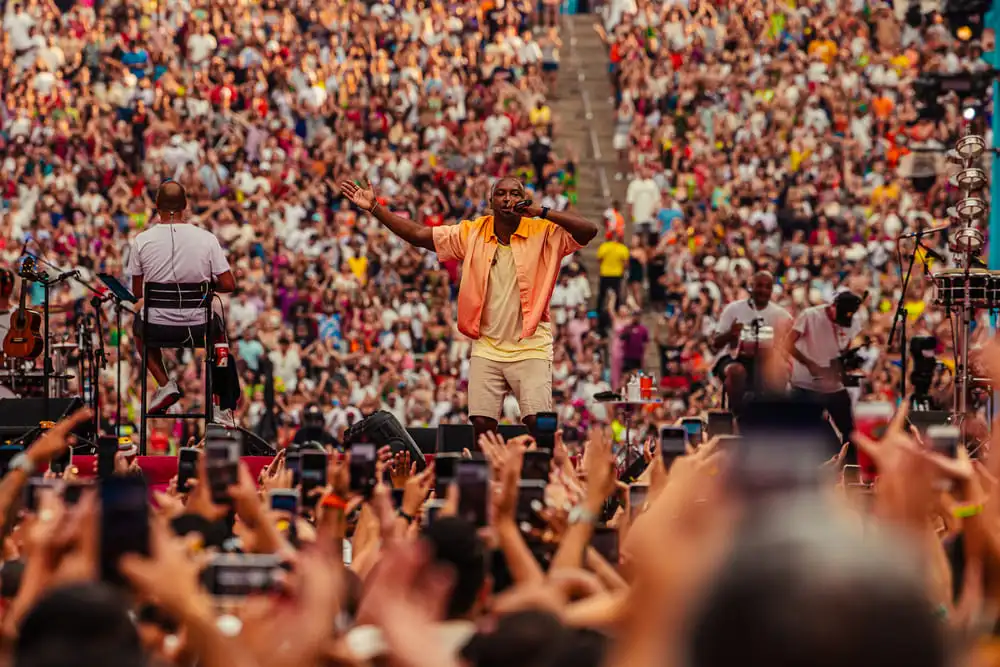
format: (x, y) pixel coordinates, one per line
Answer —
(945, 439)
(853, 476)
(605, 542)
(8, 452)
(473, 478)
(61, 463)
(546, 425)
(537, 464)
(694, 428)
(673, 441)
(445, 469)
(313, 473)
(222, 459)
(241, 575)
(107, 447)
(431, 511)
(284, 500)
(453, 438)
(73, 491)
(187, 467)
(124, 522)
(363, 467)
(32, 490)
(293, 463)
(720, 422)
(530, 501)
(637, 496)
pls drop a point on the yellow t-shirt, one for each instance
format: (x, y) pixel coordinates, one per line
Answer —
(500, 332)
(540, 116)
(359, 267)
(890, 191)
(614, 258)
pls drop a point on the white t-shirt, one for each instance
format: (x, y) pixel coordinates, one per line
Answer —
(644, 196)
(177, 253)
(744, 312)
(821, 340)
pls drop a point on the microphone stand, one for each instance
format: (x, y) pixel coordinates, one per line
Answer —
(901, 315)
(99, 297)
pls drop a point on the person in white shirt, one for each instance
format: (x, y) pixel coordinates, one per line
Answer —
(174, 251)
(737, 366)
(818, 343)
(644, 198)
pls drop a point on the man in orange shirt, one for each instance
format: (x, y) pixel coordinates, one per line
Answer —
(510, 263)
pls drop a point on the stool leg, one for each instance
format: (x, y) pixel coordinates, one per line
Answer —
(209, 367)
(143, 353)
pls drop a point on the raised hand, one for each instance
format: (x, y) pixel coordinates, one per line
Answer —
(362, 197)
(57, 439)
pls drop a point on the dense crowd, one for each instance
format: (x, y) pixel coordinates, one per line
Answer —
(259, 110)
(753, 135)
(799, 138)
(798, 562)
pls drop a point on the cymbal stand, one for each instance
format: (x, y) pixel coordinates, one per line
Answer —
(967, 240)
(47, 283)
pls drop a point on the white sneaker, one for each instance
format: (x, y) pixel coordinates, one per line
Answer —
(164, 397)
(224, 418)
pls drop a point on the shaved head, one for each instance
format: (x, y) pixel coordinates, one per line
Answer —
(171, 198)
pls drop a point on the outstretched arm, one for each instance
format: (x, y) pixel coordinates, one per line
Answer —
(412, 232)
(364, 197)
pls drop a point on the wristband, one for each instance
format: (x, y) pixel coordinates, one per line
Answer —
(335, 502)
(374, 206)
(544, 215)
(967, 511)
(408, 518)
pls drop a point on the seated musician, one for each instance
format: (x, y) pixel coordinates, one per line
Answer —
(174, 251)
(747, 319)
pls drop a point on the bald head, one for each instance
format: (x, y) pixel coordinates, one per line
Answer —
(761, 288)
(171, 198)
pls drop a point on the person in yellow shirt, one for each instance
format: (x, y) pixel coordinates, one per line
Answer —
(541, 115)
(613, 255)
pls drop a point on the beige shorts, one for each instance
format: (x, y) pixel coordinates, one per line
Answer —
(529, 380)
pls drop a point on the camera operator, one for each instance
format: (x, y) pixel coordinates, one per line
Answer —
(820, 347)
(313, 428)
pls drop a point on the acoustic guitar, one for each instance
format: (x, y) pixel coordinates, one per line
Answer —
(24, 340)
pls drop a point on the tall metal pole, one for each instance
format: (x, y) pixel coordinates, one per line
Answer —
(991, 21)
(994, 237)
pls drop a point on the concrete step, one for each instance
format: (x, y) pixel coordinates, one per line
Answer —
(584, 75)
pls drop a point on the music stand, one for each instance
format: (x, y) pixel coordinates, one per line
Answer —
(119, 294)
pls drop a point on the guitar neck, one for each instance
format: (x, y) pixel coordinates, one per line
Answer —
(21, 301)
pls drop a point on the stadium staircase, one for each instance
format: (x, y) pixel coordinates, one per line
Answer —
(585, 123)
(585, 127)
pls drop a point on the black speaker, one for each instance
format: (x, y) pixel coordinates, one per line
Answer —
(424, 437)
(254, 445)
(382, 428)
(508, 431)
(20, 417)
